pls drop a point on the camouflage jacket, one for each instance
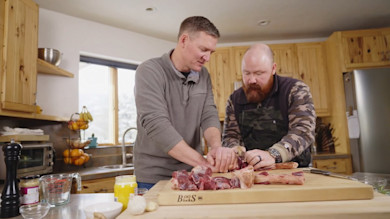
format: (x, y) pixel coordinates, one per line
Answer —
(289, 105)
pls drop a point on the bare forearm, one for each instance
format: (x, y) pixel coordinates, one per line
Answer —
(184, 153)
(213, 137)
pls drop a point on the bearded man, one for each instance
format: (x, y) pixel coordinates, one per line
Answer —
(273, 117)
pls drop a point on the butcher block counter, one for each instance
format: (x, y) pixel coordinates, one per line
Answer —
(353, 206)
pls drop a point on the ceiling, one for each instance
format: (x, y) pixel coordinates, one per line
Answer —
(237, 20)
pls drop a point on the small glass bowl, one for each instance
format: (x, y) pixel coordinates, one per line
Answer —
(378, 183)
(35, 211)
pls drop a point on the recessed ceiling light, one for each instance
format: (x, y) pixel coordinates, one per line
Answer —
(263, 22)
(151, 9)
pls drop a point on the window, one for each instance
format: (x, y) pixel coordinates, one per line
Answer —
(106, 88)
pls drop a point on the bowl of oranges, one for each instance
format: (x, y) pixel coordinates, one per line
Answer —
(75, 156)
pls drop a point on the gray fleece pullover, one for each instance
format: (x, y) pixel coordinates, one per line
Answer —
(170, 108)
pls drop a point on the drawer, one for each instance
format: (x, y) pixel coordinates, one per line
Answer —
(333, 165)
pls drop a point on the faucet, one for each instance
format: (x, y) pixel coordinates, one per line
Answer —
(124, 155)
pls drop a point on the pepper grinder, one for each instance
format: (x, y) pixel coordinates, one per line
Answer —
(10, 196)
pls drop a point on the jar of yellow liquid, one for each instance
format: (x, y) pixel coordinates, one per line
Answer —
(124, 186)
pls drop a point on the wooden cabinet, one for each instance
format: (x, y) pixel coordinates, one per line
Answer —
(19, 60)
(337, 163)
(312, 70)
(238, 53)
(103, 185)
(220, 67)
(333, 165)
(366, 48)
(346, 51)
(286, 59)
(19, 45)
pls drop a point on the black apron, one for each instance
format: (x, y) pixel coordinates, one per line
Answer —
(262, 127)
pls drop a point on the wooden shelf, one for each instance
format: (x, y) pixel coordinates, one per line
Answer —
(32, 116)
(47, 68)
(20, 138)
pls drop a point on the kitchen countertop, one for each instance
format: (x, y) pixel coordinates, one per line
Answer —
(378, 207)
(74, 209)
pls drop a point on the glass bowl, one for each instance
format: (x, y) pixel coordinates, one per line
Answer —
(378, 183)
(35, 211)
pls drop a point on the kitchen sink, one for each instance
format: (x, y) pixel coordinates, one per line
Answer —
(118, 166)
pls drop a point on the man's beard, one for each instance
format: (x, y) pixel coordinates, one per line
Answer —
(254, 93)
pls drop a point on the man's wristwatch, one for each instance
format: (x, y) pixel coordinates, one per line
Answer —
(275, 154)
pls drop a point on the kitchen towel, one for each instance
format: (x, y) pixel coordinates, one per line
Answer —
(21, 131)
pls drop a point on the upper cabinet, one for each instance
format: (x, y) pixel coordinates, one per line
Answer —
(286, 59)
(365, 48)
(19, 45)
(19, 60)
(222, 75)
(312, 70)
(238, 53)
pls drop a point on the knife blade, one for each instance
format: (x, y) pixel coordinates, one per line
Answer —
(328, 173)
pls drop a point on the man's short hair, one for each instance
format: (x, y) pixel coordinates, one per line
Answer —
(197, 24)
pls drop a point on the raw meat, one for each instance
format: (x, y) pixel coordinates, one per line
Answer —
(245, 176)
(286, 165)
(200, 178)
(296, 178)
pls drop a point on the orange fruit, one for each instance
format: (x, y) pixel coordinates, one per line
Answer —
(76, 152)
(79, 161)
(66, 153)
(86, 156)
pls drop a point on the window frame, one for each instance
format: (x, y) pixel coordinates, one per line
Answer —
(113, 114)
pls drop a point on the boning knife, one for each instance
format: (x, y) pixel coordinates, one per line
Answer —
(328, 173)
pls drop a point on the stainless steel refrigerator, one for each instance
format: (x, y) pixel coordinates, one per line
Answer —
(367, 94)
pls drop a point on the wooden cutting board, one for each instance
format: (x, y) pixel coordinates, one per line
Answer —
(316, 188)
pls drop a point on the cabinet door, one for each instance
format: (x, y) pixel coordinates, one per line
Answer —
(238, 53)
(312, 70)
(366, 48)
(285, 59)
(20, 42)
(104, 185)
(220, 68)
(386, 35)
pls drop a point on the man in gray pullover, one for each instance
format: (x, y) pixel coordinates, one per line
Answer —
(174, 100)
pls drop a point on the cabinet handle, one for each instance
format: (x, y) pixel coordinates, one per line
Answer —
(101, 191)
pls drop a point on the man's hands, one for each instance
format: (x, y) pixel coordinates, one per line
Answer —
(259, 158)
(223, 159)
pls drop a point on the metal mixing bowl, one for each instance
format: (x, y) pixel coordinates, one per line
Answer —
(52, 56)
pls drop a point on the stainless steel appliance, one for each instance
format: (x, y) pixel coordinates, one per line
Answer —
(368, 112)
(35, 158)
